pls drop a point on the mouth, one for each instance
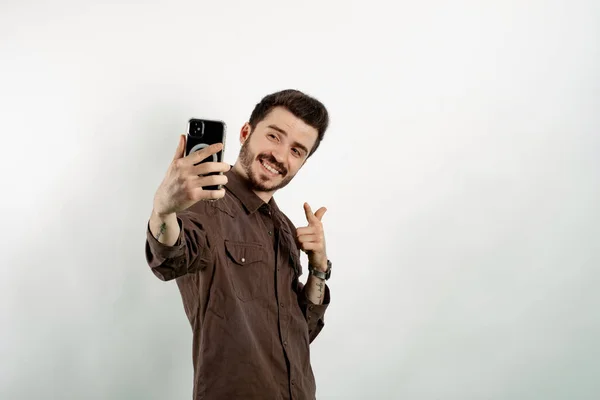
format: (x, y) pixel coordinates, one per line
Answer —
(269, 168)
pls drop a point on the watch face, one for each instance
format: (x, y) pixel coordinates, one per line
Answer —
(320, 274)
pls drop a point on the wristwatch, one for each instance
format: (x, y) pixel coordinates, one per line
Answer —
(320, 274)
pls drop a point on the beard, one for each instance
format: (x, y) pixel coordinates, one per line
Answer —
(260, 183)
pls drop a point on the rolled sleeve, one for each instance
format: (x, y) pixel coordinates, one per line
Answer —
(313, 313)
(189, 253)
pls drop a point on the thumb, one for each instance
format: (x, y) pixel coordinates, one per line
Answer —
(180, 148)
(320, 212)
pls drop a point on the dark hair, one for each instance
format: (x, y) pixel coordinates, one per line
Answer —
(303, 106)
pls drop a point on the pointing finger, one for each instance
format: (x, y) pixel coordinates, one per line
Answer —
(308, 212)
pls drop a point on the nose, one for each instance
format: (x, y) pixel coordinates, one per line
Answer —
(279, 158)
(278, 154)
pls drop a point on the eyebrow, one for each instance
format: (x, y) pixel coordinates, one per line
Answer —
(284, 133)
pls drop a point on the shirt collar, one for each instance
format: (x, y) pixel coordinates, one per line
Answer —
(239, 187)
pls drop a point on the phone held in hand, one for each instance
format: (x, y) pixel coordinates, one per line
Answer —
(202, 133)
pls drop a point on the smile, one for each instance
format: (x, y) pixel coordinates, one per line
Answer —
(269, 168)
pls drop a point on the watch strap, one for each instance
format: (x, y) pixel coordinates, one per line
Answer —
(320, 274)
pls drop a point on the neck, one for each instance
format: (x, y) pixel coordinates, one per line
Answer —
(264, 196)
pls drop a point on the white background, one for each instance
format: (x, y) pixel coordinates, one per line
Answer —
(460, 172)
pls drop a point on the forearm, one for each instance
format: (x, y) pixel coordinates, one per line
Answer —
(314, 299)
(315, 289)
(164, 228)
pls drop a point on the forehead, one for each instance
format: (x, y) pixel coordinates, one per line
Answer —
(297, 129)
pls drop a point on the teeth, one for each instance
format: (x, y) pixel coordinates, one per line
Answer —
(270, 168)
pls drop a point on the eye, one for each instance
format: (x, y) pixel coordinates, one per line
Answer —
(273, 136)
(296, 152)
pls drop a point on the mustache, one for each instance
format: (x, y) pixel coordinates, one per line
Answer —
(271, 160)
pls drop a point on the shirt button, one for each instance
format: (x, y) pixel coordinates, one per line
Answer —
(281, 304)
(243, 259)
(285, 343)
(270, 233)
(310, 308)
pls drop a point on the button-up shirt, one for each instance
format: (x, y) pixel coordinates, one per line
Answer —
(236, 263)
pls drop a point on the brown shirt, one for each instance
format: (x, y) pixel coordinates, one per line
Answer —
(237, 264)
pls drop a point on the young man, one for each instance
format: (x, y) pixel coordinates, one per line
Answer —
(236, 259)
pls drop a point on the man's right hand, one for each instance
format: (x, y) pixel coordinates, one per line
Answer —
(183, 182)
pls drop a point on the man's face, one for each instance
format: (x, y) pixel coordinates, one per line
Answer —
(276, 150)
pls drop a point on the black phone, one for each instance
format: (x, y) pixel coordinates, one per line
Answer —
(202, 133)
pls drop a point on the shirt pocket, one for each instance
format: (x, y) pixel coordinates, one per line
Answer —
(246, 268)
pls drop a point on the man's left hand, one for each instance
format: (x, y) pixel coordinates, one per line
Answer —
(311, 238)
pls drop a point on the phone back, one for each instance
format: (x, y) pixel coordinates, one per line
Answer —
(202, 133)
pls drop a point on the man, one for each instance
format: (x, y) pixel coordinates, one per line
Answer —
(236, 258)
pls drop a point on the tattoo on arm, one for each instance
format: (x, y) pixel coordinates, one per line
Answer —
(320, 285)
(163, 228)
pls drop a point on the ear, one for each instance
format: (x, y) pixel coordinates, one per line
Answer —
(245, 132)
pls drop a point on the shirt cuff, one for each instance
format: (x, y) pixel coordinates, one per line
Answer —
(316, 311)
(161, 251)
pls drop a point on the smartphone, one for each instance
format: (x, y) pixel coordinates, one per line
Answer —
(202, 133)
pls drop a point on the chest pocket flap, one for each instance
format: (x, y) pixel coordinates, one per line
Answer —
(247, 269)
(243, 253)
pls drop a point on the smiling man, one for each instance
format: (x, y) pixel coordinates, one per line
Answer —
(236, 259)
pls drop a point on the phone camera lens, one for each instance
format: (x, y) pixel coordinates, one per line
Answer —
(197, 128)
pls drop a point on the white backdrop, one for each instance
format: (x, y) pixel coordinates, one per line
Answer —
(460, 172)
